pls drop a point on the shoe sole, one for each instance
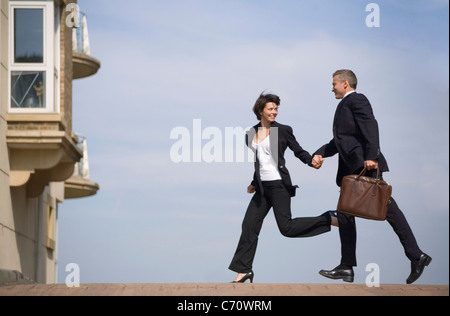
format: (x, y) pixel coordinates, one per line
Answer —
(348, 279)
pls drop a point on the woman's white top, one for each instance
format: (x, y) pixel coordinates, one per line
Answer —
(268, 169)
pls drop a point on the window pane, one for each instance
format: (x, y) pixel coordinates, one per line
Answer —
(28, 35)
(28, 89)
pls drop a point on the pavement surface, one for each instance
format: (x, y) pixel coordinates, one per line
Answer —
(223, 289)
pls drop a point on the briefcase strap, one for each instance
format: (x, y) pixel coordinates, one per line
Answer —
(365, 170)
(375, 187)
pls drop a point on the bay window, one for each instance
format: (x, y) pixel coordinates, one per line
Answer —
(34, 71)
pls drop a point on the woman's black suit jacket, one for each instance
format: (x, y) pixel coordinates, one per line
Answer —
(356, 137)
(281, 137)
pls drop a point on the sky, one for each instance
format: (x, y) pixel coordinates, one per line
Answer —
(188, 72)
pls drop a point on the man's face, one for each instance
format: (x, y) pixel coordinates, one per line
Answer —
(339, 88)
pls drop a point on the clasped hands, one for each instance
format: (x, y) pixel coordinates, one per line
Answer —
(317, 161)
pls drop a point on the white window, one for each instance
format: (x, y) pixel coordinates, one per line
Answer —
(34, 67)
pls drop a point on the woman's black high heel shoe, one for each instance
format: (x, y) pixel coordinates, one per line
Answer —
(248, 276)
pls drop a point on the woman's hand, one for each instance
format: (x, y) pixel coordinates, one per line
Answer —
(251, 189)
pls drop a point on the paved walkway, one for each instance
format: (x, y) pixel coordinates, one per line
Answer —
(223, 289)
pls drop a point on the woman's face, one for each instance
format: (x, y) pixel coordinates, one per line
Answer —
(270, 112)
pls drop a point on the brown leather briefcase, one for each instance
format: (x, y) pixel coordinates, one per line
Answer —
(365, 197)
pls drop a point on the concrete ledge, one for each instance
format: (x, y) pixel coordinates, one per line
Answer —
(224, 289)
(13, 277)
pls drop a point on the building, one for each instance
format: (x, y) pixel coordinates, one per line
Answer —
(43, 47)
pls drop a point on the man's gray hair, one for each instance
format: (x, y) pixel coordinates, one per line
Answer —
(346, 74)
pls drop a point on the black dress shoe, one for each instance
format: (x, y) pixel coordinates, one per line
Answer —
(339, 272)
(417, 268)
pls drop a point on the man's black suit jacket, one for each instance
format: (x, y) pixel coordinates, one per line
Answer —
(355, 137)
(281, 137)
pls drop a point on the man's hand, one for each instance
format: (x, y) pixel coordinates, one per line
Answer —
(371, 164)
(251, 189)
(317, 161)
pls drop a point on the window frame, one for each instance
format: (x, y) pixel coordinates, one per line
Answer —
(50, 56)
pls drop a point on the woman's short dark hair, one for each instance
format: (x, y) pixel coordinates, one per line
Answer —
(262, 101)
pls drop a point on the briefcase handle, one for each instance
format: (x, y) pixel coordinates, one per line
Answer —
(375, 187)
(365, 170)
